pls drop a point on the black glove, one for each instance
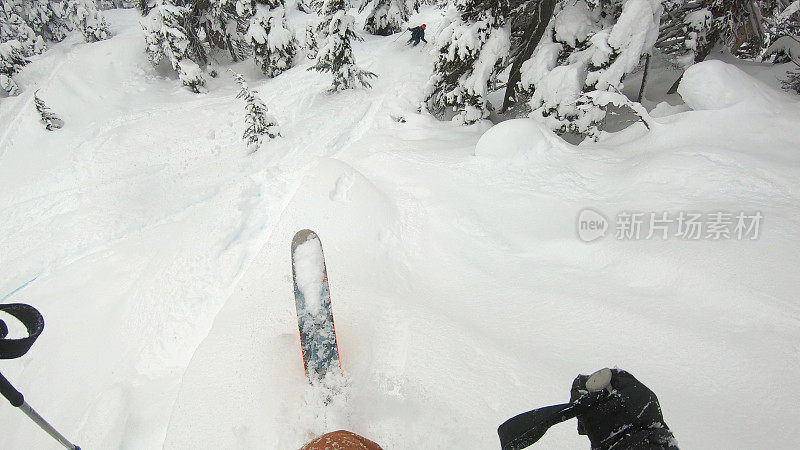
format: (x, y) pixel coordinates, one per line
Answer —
(629, 417)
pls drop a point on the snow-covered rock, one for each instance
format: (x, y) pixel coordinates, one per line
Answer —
(712, 85)
(517, 139)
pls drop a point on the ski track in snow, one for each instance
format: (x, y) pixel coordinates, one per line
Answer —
(160, 250)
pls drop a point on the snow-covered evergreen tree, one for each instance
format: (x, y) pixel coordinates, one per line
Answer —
(792, 81)
(317, 29)
(336, 54)
(310, 44)
(273, 42)
(167, 37)
(781, 21)
(13, 27)
(112, 4)
(528, 20)
(48, 18)
(260, 122)
(579, 70)
(684, 32)
(224, 24)
(50, 120)
(784, 49)
(32, 22)
(739, 25)
(85, 17)
(144, 6)
(12, 58)
(187, 33)
(690, 30)
(473, 46)
(316, 5)
(387, 17)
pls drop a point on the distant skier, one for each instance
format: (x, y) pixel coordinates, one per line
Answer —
(417, 34)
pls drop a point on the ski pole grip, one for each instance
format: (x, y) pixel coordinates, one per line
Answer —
(599, 380)
(14, 396)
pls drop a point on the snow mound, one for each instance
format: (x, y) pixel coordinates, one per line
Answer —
(712, 85)
(517, 140)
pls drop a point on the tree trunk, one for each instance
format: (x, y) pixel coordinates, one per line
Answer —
(533, 34)
(644, 78)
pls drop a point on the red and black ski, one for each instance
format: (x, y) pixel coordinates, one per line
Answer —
(313, 301)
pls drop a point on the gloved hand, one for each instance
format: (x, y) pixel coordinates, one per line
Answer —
(629, 417)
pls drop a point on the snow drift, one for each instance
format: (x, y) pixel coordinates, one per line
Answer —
(712, 85)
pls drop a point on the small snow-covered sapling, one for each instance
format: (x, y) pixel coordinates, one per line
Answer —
(50, 120)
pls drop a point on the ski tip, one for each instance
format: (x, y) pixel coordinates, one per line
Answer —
(303, 236)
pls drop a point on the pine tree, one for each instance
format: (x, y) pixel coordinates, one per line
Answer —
(792, 81)
(14, 27)
(273, 42)
(144, 6)
(317, 29)
(317, 5)
(387, 17)
(87, 19)
(737, 25)
(48, 18)
(260, 122)
(32, 22)
(167, 37)
(685, 31)
(578, 70)
(112, 4)
(12, 58)
(50, 120)
(781, 20)
(224, 23)
(473, 46)
(528, 20)
(310, 41)
(336, 54)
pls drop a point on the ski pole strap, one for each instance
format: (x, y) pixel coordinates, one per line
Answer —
(525, 429)
(34, 323)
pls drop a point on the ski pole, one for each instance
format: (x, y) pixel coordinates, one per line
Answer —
(17, 400)
(14, 348)
(398, 36)
(525, 429)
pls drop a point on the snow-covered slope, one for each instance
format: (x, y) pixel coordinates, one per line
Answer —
(461, 292)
